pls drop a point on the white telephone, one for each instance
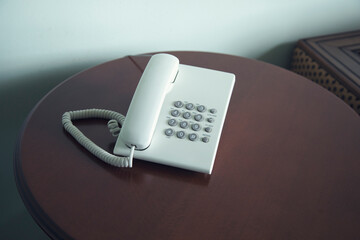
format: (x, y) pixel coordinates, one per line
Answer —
(175, 117)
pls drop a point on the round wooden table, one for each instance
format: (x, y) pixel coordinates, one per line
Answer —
(287, 166)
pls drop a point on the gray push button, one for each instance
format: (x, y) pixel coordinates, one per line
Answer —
(180, 134)
(169, 132)
(172, 122)
(213, 110)
(198, 117)
(201, 108)
(187, 115)
(183, 124)
(192, 136)
(210, 120)
(175, 113)
(189, 106)
(195, 127)
(178, 104)
(205, 139)
(208, 129)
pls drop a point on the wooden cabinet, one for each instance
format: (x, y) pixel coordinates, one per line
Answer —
(332, 61)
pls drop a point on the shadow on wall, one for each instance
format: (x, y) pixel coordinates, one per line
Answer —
(279, 55)
(18, 96)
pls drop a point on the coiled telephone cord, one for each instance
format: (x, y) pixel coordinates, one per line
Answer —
(115, 119)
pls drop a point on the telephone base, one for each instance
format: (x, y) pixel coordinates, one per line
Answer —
(188, 130)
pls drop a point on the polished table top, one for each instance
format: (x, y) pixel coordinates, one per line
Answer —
(287, 165)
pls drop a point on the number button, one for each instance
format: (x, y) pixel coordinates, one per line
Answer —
(178, 104)
(198, 117)
(183, 124)
(201, 108)
(172, 122)
(180, 134)
(175, 113)
(187, 115)
(192, 136)
(195, 127)
(189, 106)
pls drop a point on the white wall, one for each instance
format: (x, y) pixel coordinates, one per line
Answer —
(43, 34)
(42, 42)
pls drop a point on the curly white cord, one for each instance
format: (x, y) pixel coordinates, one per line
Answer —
(114, 128)
(116, 118)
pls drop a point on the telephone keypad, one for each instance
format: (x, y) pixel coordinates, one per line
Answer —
(186, 121)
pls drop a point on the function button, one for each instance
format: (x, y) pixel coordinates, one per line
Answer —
(175, 113)
(187, 115)
(189, 106)
(205, 139)
(208, 129)
(201, 108)
(172, 122)
(169, 132)
(180, 134)
(198, 117)
(183, 124)
(210, 120)
(178, 104)
(192, 136)
(213, 111)
(195, 127)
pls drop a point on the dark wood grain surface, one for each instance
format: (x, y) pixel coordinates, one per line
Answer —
(287, 165)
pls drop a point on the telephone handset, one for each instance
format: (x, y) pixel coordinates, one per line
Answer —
(175, 117)
(144, 109)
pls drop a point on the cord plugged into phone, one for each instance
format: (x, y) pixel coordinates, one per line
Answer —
(175, 117)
